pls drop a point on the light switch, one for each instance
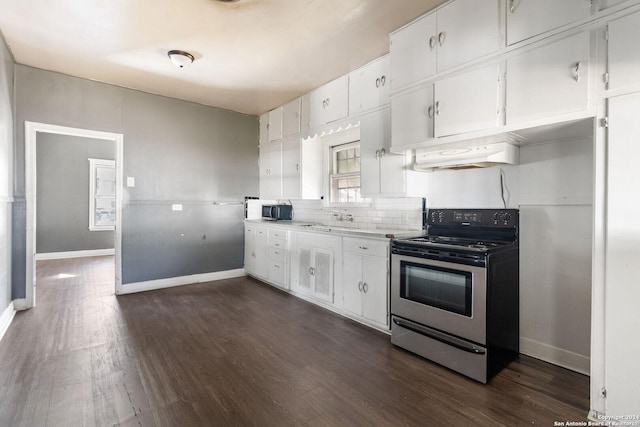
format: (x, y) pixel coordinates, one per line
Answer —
(131, 181)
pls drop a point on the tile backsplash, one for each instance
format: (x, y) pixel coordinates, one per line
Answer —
(392, 213)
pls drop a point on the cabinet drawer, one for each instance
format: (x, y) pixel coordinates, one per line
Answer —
(277, 272)
(278, 234)
(366, 247)
(278, 243)
(277, 255)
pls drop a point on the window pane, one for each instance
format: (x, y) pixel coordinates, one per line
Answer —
(105, 212)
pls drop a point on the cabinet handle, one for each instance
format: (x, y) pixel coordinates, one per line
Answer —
(432, 42)
(364, 248)
(297, 166)
(429, 111)
(437, 108)
(383, 80)
(360, 286)
(441, 37)
(365, 287)
(577, 76)
(382, 153)
(377, 154)
(378, 82)
(312, 271)
(512, 6)
(276, 265)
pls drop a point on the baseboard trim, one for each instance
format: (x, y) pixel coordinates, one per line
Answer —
(567, 359)
(75, 254)
(6, 318)
(20, 304)
(151, 285)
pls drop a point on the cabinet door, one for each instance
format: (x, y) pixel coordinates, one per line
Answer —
(528, 18)
(291, 118)
(624, 55)
(369, 86)
(312, 169)
(275, 124)
(303, 267)
(549, 81)
(467, 29)
(412, 117)
(381, 172)
(323, 273)
(264, 128)
(291, 168)
(271, 171)
(467, 102)
(375, 273)
(352, 282)
(330, 102)
(249, 249)
(413, 57)
(261, 253)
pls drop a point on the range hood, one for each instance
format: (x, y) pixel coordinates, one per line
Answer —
(466, 157)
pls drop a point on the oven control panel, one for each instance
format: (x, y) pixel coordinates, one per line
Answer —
(504, 218)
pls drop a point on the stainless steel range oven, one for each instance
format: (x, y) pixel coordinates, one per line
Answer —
(454, 291)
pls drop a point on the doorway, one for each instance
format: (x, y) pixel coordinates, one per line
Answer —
(47, 131)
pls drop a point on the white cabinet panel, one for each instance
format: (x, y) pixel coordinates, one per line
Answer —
(352, 282)
(459, 32)
(291, 168)
(412, 57)
(410, 119)
(375, 284)
(291, 118)
(624, 55)
(329, 102)
(549, 81)
(381, 172)
(312, 265)
(271, 171)
(528, 18)
(275, 124)
(467, 29)
(264, 128)
(467, 102)
(256, 256)
(369, 86)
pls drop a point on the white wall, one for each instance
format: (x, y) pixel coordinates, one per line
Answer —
(552, 187)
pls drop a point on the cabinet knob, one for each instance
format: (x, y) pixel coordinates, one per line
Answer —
(429, 111)
(360, 286)
(383, 80)
(382, 153)
(365, 287)
(377, 154)
(437, 108)
(441, 37)
(378, 82)
(364, 248)
(512, 6)
(577, 75)
(432, 42)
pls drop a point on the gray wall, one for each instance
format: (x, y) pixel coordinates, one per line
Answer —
(6, 171)
(178, 152)
(62, 223)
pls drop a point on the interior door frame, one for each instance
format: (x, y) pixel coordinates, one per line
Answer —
(31, 132)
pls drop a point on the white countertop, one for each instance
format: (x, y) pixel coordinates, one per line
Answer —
(384, 233)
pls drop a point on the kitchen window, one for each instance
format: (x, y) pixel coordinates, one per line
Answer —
(345, 173)
(102, 195)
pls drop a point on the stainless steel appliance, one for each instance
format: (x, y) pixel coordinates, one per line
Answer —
(455, 290)
(277, 212)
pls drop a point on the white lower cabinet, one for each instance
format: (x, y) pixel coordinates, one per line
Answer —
(312, 265)
(278, 264)
(365, 274)
(255, 251)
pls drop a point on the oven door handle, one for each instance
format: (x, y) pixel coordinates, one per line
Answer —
(439, 336)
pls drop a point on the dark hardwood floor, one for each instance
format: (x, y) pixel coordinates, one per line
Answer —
(239, 352)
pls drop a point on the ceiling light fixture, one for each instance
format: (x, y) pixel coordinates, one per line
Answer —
(180, 58)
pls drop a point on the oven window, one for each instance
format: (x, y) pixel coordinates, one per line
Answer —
(438, 287)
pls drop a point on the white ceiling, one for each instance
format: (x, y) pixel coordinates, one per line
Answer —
(251, 55)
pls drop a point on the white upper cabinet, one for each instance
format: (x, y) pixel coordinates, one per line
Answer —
(291, 113)
(549, 82)
(291, 168)
(457, 33)
(624, 55)
(271, 171)
(381, 172)
(330, 102)
(302, 168)
(275, 124)
(467, 102)
(264, 128)
(463, 103)
(369, 86)
(528, 18)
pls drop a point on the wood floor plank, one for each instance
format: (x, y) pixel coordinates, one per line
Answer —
(238, 352)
